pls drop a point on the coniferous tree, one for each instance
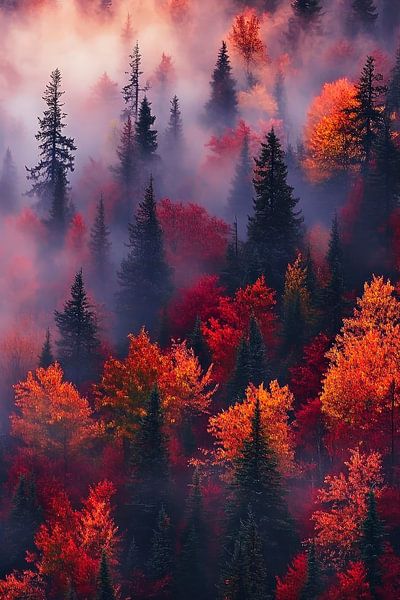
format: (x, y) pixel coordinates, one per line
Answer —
(363, 14)
(365, 117)
(46, 357)
(8, 184)
(105, 588)
(131, 91)
(244, 577)
(161, 553)
(132, 556)
(308, 11)
(174, 132)
(371, 543)
(145, 136)
(221, 109)
(232, 275)
(241, 374)
(144, 276)
(280, 95)
(393, 95)
(259, 371)
(198, 344)
(126, 171)
(56, 150)
(100, 243)
(311, 589)
(334, 291)
(78, 344)
(240, 199)
(59, 209)
(274, 230)
(257, 483)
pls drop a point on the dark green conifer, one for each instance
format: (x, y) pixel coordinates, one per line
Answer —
(161, 554)
(240, 199)
(241, 374)
(312, 586)
(221, 109)
(105, 588)
(100, 243)
(198, 344)
(334, 291)
(46, 357)
(259, 369)
(363, 15)
(371, 544)
(145, 135)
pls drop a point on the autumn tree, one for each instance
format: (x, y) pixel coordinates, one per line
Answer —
(245, 38)
(50, 176)
(221, 109)
(78, 344)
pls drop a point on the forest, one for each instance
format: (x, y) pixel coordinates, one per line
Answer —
(200, 300)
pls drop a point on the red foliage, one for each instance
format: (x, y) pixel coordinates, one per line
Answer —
(306, 378)
(291, 585)
(226, 148)
(350, 585)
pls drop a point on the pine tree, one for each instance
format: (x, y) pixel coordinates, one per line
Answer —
(393, 95)
(334, 291)
(8, 184)
(126, 171)
(244, 576)
(241, 374)
(161, 554)
(221, 109)
(132, 557)
(232, 275)
(274, 230)
(365, 117)
(364, 14)
(105, 588)
(198, 344)
(59, 209)
(144, 276)
(174, 132)
(100, 244)
(55, 149)
(240, 199)
(371, 543)
(46, 357)
(78, 344)
(259, 371)
(257, 483)
(145, 136)
(308, 11)
(25, 517)
(131, 91)
(311, 589)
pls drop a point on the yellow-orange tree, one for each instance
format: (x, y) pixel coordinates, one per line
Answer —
(126, 384)
(232, 427)
(361, 385)
(338, 527)
(330, 148)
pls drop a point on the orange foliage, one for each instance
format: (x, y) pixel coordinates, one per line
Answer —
(338, 528)
(224, 331)
(364, 362)
(53, 418)
(245, 38)
(232, 427)
(18, 586)
(126, 384)
(329, 146)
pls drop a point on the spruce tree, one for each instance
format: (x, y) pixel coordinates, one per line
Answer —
(274, 230)
(241, 374)
(198, 344)
(365, 117)
(100, 243)
(258, 483)
(8, 184)
(105, 588)
(311, 589)
(221, 109)
(371, 543)
(145, 136)
(144, 277)
(161, 553)
(393, 95)
(244, 576)
(24, 519)
(240, 199)
(78, 343)
(174, 132)
(131, 91)
(59, 210)
(126, 172)
(334, 291)
(46, 357)
(308, 11)
(259, 370)
(56, 150)
(364, 14)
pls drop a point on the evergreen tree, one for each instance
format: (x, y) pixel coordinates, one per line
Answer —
(364, 14)
(240, 199)
(232, 276)
(100, 244)
(259, 371)
(198, 344)
(221, 109)
(144, 277)
(46, 357)
(59, 209)
(393, 95)
(334, 291)
(241, 374)
(174, 132)
(365, 117)
(25, 517)
(308, 11)
(131, 561)
(244, 577)
(126, 171)
(274, 230)
(280, 95)
(145, 136)
(371, 543)
(131, 91)
(311, 589)
(105, 588)
(78, 344)
(161, 554)
(8, 184)
(257, 483)
(56, 150)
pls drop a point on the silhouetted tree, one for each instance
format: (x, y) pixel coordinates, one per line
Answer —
(105, 588)
(221, 109)
(145, 136)
(100, 243)
(8, 184)
(240, 199)
(131, 91)
(46, 357)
